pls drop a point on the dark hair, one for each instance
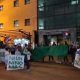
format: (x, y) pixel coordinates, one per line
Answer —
(7, 49)
(78, 46)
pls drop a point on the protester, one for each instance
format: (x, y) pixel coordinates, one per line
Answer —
(2, 54)
(72, 52)
(27, 54)
(12, 49)
(77, 58)
(17, 52)
(66, 57)
(6, 56)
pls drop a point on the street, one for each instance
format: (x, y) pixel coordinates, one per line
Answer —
(42, 71)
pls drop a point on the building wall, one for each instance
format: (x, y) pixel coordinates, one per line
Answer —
(22, 12)
(56, 32)
(55, 14)
(59, 14)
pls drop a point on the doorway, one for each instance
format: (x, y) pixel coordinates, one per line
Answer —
(50, 39)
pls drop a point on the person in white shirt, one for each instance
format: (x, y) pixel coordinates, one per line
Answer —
(6, 55)
(27, 54)
(2, 55)
(17, 52)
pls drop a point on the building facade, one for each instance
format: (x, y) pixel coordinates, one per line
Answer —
(18, 17)
(58, 20)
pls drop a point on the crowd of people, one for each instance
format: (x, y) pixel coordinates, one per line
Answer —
(72, 51)
(17, 50)
(26, 50)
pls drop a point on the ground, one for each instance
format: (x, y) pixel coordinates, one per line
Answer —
(42, 71)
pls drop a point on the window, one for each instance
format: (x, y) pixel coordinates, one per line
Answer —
(73, 2)
(41, 3)
(16, 3)
(1, 25)
(27, 22)
(78, 19)
(41, 8)
(27, 1)
(1, 7)
(41, 23)
(16, 23)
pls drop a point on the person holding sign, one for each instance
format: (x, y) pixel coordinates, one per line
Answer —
(7, 53)
(17, 52)
(27, 54)
(77, 58)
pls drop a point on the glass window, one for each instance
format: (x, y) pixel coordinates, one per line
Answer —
(16, 3)
(78, 8)
(27, 1)
(50, 21)
(70, 20)
(59, 9)
(40, 3)
(27, 22)
(59, 21)
(41, 8)
(70, 9)
(49, 2)
(41, 23)
(1, 25)
(73, 2)
(49, 11)
(16, 23)
(78, 19)
(41, 14)
(78, 1)
(67, 1)
(1, 7)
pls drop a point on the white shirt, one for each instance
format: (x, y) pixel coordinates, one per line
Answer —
(28, 55)
(17, 52)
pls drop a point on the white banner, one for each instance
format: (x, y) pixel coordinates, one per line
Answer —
(15, 62)
(77, 61)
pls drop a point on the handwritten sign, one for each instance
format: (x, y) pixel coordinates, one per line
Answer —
(15, 62)
(77, 61)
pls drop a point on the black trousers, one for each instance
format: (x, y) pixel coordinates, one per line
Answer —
(51, 58)
(26, 62)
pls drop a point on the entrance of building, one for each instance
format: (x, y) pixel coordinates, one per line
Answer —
(50, 39)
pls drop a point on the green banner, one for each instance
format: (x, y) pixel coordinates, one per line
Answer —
(40, 52)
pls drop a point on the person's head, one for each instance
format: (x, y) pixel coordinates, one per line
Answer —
(78, 46)
(26, 45)
(54, 43)
(7, 49)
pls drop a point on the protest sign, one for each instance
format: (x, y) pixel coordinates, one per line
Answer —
(15, 62)
(77, 61)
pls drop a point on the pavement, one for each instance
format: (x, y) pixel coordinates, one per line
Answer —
(42, 71)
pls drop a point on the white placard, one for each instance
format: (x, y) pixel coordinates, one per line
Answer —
(77, 61)
(15, 62)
